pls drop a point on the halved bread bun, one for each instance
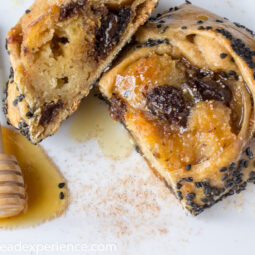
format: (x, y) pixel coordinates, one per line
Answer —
(185, 91)
(58, 50)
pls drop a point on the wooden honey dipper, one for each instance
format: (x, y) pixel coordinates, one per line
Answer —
(12, 191)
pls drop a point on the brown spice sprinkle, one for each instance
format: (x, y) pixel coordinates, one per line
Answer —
(127, 205)
(133, 205)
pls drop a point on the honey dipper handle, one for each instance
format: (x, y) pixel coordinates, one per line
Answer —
(1, 140)
(12, 190)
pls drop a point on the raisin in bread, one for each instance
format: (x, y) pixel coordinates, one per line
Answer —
(58, 50)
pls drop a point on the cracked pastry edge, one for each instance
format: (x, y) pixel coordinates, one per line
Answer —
(21, 116)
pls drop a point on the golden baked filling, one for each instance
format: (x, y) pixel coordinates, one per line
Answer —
(180, 107)
(184, 89)
(58, 50)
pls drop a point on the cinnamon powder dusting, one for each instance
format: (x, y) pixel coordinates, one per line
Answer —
(132, 205)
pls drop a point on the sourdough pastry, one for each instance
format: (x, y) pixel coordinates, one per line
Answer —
(58, 49)
(185, 91)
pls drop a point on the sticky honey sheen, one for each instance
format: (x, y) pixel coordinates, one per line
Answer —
(42, 179)
(92, 121)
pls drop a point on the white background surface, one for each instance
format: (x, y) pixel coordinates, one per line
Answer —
(122, 202)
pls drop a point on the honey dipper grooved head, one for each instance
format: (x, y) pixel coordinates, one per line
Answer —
(12, 190)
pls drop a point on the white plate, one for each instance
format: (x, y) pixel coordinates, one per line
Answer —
(121, 202)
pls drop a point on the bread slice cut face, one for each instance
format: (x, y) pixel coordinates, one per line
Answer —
(58, 50)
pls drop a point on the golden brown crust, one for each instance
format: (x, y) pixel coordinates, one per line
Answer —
(58, 49)
(210, 157)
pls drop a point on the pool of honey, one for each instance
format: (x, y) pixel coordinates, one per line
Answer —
(41, 178)
(92, 121)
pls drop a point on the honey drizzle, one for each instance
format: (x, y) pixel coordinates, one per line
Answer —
(92, 121)
(41, 179)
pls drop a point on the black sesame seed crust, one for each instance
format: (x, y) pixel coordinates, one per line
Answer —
(179, 195)
(236, 43)
(61, 185)
(223, 169)
(152, 43)
(223, 55)
(188, 167)
(11, 76)
(15, 102)
(18, 99)
(201, 28)
(29, 115)
(4, 99)
(22, 125)
(245, 28)
(178, 186)
(208, 28)
(239, 48)
(233, 181)
(224, 177)
(249, 153)
(61, 195)
(198, 184)
(24, 129)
